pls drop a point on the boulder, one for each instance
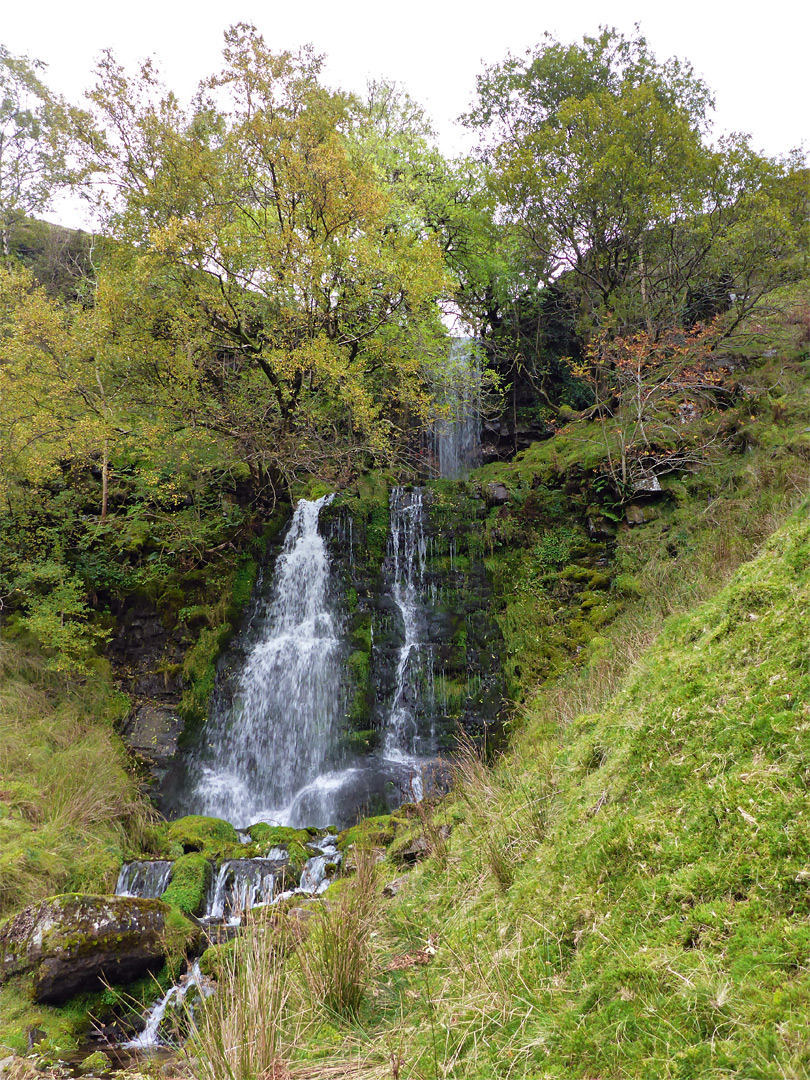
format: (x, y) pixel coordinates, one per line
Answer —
(393, 887)
(75, 942)
(416, 850)
(497, 494)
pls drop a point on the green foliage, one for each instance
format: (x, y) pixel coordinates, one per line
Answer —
(191, 875)
(599, 157)
(34, 131)
(57, 616)
(210, 837)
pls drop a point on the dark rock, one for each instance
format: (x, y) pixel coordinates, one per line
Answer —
(497, 494)
(35, 1035)
(635, 514)
(599, 528)
(393, 887)
(75, 942)
(152, 733)
(417, 850)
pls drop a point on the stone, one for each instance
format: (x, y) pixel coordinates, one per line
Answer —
(95, 1063)
(415, 851)
(648, 485)
(152, 732)
(599, 528)
(497, 494)
(393, 887)
(72, 943)
(635, 514)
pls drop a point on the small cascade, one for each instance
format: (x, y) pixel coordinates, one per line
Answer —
(405, 739)
(457, 431)
(240, 884)
(149, 1038)
(314, 879)
(266, 745)
(147, 879)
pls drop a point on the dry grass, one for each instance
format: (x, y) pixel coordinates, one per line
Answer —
(239, 1032)
(337, 961)
(71, 804)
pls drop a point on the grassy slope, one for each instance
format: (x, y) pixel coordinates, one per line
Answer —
(69, 803)
(636, 904)
(627, 893)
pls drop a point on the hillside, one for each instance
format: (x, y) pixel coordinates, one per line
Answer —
(622, 891)
(380, 701)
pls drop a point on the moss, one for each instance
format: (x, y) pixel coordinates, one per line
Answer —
(96, 1063)
(211, 837)
(377, 832)
(243, 582)
(216, 961)
(191, 876)
(180, 938)
(293, 841)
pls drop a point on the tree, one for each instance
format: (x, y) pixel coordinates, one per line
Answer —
(34, 141)
(308, 319)
(599, 157)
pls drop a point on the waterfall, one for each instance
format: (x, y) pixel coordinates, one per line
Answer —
(148, 879)
(405, 739)
(149, 1038)
(270, 752)
(457, 431)
(240, 884)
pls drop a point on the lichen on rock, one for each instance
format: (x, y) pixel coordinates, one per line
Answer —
(75, 942)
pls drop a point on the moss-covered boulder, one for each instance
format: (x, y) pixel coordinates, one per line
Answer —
(70, 944)
(209, 836)
(190, 879)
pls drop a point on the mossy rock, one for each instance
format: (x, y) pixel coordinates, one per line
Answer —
(190, 879)
(216, 958)
(72, 943)
(377, 832)
(293, 841)
(95, 1064)
(210, 836)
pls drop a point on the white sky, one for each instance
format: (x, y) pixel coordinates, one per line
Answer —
(754, 58)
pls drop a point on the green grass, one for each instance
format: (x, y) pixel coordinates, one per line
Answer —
(69, 802)
(626, 892)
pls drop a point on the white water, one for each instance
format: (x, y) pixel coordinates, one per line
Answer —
(148, 879)
(457, 431)
(240, 884)
(404, 741)
(270, 755)
(149, 1038)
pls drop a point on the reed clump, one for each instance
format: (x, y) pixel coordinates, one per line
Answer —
(337, 961)
(239, 1032)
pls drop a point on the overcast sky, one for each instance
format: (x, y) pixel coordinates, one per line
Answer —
(755, 59)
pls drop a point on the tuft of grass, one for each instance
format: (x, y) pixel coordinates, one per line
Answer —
(337, 959)
(238, 1032)
(69, 802)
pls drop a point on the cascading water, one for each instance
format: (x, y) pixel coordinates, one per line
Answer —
(457, 431)
(149, 1038)
(239, 885)
(148, 879)
(270, 753)
(408, 734)
(406, 551)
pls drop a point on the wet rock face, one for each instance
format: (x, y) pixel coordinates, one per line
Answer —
(71, 943)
